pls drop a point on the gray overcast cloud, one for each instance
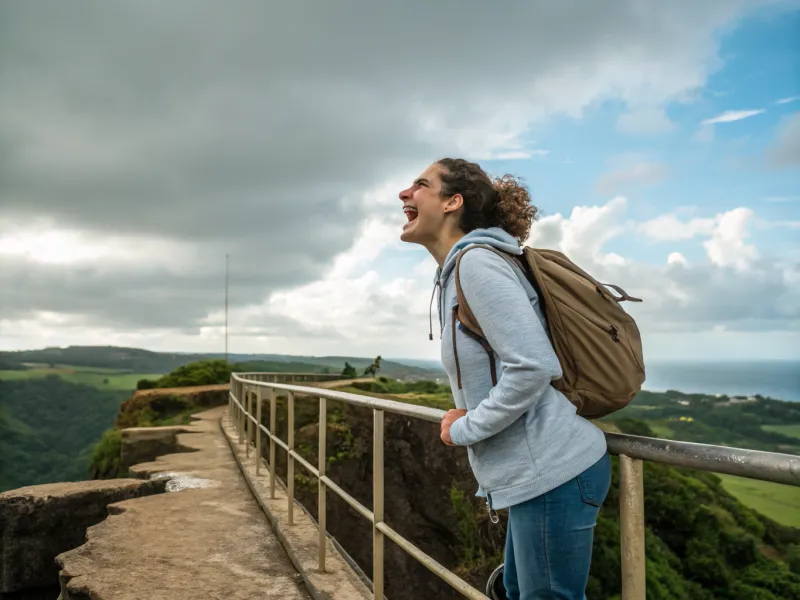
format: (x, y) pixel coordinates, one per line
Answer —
(180, 131)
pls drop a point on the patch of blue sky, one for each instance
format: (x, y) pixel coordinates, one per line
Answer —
(714, 173)
(762, 62)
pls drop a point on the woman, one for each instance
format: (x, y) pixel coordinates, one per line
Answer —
(529, 450)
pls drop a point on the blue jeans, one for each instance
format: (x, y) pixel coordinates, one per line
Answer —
(549, 538)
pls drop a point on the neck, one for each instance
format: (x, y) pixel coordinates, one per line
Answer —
(441, 247)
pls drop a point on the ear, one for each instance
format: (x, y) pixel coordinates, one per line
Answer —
(454, 203)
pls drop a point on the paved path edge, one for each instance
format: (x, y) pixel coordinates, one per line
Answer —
(342, 578)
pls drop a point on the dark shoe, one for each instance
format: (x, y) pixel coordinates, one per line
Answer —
(494, 587)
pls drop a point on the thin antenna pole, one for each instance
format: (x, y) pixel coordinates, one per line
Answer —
(226, 308)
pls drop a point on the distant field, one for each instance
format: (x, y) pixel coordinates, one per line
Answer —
(73, 368)
(790, 430)
(779, 502)
(661, 431)
(96, 377)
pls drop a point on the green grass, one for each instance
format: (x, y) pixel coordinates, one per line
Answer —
(181, 418)
(790, 430)
(661, 431)
(779, 502)
(76, 368)
(441, 401)
(103, 379)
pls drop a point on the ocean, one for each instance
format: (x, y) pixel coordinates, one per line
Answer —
(776, 379)
(773, 378)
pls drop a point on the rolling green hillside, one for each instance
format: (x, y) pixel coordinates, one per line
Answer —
(51, 417)
(93, 376)
(389, 368)
(135, 360)
(48, 427)
(756, 423)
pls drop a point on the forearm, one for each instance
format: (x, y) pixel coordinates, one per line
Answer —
(519, 388)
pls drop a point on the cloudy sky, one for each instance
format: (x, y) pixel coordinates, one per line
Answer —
(141, 141)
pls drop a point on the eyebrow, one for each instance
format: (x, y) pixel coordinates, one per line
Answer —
(421, 180)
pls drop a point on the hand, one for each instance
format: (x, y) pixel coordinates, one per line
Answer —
(450, 417)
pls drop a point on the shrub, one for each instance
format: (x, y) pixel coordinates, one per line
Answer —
(202, 372)
(145, 384)
(106, 455)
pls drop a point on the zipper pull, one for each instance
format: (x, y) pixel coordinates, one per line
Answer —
(493, 517)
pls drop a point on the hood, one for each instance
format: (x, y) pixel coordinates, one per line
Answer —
(492, 236)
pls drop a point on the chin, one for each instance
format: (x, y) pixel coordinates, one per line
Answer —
(407, 235)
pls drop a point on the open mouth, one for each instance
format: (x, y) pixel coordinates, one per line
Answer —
(411, 213)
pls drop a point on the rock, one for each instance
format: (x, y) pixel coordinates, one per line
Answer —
(39, 522)
(144, 405)
(145, 444)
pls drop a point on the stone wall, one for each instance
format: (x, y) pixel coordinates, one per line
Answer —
(39, 522)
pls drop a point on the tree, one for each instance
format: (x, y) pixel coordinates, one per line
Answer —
(793, 558)
(349, 371)
(145, 384)
(373, 369)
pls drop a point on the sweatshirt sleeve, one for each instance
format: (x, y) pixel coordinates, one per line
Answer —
(501, 305)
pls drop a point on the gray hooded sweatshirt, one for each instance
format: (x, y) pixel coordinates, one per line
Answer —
(523, 436)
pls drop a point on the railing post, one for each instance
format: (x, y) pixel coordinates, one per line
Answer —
(273, 433)
(252, 410)
(238, 395)
(241, 413)
(248, 425)
(631, 518)
(322, 508)
(290, 459)
(377, 504)
(259, 398)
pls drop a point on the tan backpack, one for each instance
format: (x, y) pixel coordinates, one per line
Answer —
(596, 341)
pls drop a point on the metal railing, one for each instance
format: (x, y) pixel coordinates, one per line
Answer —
(248, 389)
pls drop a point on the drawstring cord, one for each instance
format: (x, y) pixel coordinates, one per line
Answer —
(430, 308)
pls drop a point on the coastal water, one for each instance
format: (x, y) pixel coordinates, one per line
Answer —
(776, 379)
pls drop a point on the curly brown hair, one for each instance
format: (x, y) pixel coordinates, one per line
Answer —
(488, 202)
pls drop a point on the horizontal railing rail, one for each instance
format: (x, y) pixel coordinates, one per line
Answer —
(278, 377)
(247, 388)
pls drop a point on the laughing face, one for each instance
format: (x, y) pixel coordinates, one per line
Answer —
(425, 208)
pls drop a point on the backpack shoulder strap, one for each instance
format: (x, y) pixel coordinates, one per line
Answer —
(464, 313)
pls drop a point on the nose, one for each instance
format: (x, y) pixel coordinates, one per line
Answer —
(405, 194)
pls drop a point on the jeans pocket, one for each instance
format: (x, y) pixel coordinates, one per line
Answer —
(595, 481)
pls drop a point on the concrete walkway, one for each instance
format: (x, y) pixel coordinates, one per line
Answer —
(207, 538)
